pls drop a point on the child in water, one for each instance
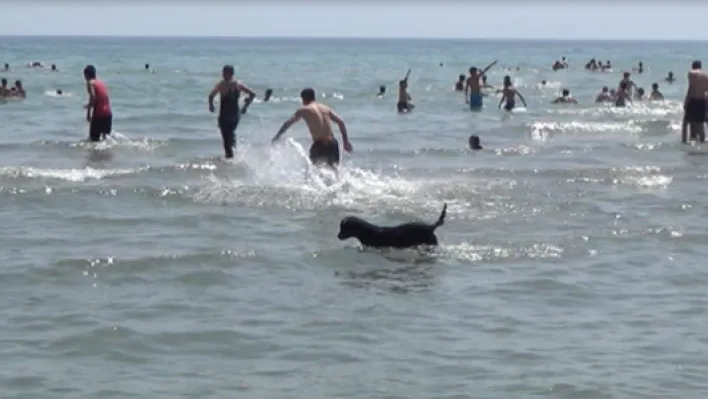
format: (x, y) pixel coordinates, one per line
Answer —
(509, 94)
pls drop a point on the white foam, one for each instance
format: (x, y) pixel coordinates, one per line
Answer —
(283, 176)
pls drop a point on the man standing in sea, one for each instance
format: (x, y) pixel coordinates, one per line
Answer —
(473, 90)
(694, 106)
(98, 109)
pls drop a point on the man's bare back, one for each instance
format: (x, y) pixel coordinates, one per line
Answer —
(318, 120)
(697, 84)
(694, 105)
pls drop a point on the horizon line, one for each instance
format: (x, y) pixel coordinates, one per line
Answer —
(163, 36)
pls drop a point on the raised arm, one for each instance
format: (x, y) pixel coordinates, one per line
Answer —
(408, 74)
(286, 125)
(489, 67)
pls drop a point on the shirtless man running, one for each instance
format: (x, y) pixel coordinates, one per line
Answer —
(473, 91)
(324, 148)
(694, 105)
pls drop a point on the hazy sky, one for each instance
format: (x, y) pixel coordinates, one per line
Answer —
(360, 18)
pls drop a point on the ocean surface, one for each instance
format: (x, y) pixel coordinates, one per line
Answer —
(146, 266)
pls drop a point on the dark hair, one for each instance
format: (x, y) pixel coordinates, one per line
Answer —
(228, 69)
(18, 83)
(654, 85)
(696, 65)
(4, 81)
(566, 92)
(308, 94)
(461, 77)
(605, 88)
(269, 91)
(90, 72)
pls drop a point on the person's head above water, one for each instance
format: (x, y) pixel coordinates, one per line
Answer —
(90, 72)
(4, 82)
(269, 92)
(605, 89)
(655, 86)
(382, 89)
(566, 92)
(461, 78)
(640, 91)
(475, 143)
(626, 75)
(59, 92)
(307, 95)
(54, 67)
(473, 70)
(507, 80)
(227, 72)
(18, 84)
(147, 66)
(671, 74)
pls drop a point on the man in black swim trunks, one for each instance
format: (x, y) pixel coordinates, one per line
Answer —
(694, 105)
(324, 149)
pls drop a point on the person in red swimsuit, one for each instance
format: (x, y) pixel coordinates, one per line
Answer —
(98, 109)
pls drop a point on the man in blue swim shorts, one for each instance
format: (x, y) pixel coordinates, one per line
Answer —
(473, 90)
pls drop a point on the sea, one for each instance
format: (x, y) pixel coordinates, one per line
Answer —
(147, 266)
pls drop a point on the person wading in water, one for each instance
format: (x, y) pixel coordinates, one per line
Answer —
(229, 109)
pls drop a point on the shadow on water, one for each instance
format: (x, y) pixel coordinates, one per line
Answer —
(409, 271)
(98, 156)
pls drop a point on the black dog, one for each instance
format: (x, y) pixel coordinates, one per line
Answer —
(402, 236)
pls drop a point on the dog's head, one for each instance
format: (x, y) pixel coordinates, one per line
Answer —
(351, 226)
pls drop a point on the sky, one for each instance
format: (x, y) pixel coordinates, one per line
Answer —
(514, 19)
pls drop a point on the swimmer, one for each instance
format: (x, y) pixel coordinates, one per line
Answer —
(268, 94)
(18, 90)
(382, 91)
(639, 68)
(623, 95)
(35, 64)
(473, 91)
(628, 80)
(694, 105)
(6, 68)
(604, 95)
(4, 91)
(509, 95)
(54, 68)
(98, 109)
(557, 65)
(318, 117)
(59, 92)
(460, 84)
(564, 62)
(613, 93)
(147, 67)
(404, 99)
(670, 78)
(565, 98)
(543, 83)
(474, 143)
(655, 93)
(608, 66)
(229, 90)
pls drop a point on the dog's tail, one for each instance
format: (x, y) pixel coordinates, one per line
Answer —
(441, 219)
